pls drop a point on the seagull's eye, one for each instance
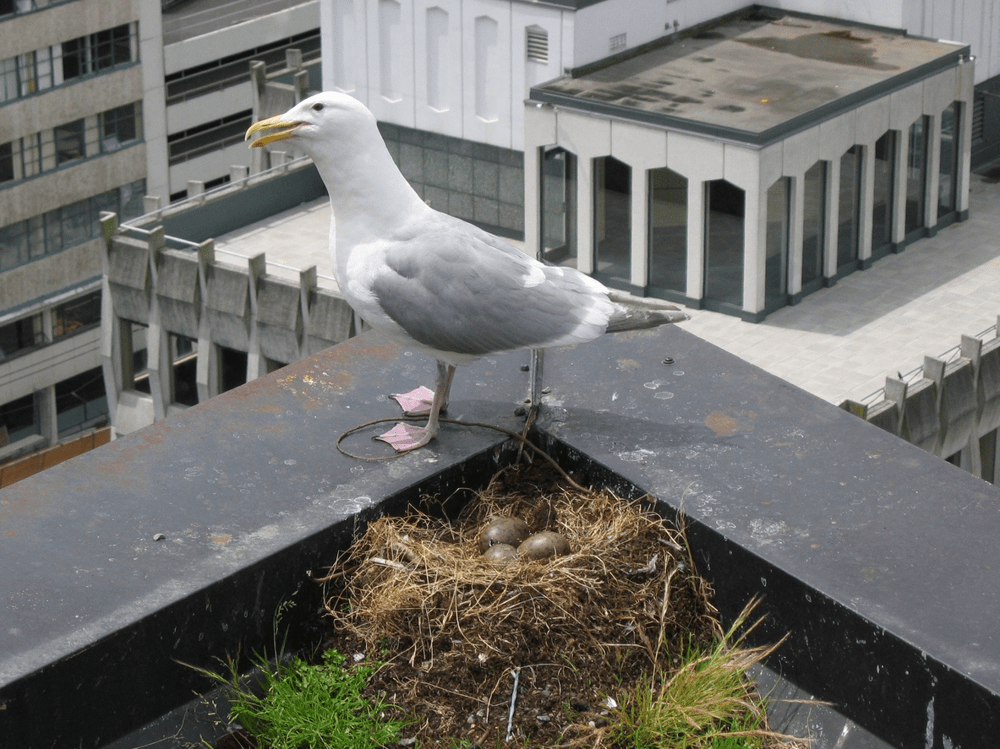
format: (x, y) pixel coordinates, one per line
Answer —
(317, 107)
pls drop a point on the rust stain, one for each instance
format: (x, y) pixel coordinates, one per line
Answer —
(726, 426)
(221, 538)
(270, 409)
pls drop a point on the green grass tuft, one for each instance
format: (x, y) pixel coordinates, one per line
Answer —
(303, 706)
(706, 703)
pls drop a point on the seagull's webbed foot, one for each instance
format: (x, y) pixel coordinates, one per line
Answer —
(416, 402)
(420, 400)
(405, 437)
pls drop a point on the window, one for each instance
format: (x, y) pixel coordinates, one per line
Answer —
(184, 355)
(882, 194)
(8, 79)
(948, 165)
(916, 174)
(94, 52)
(75, 219)
(668, 205)
(725, 207)
(209, 136)
(81, 402)
(69, 142)
(6, 162)
(559, 206)
(613, 218)
(69, 225)
(19, 419)
(13, 245)
(76, 314)
(848, 207)
(232, 368)
(21, 335)
(118, 126)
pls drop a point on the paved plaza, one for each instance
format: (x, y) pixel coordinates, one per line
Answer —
(838, 343)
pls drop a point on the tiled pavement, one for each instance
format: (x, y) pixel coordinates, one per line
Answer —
(838, 343)
(842, 341)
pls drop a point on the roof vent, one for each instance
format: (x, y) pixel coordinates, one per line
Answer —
(617, 43)
(537, 40)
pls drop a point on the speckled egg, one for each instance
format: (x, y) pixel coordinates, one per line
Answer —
(543, 545)
(500, 554)
(510, 531)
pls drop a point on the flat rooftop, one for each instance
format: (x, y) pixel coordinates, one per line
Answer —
(186, 20)
(755, 77)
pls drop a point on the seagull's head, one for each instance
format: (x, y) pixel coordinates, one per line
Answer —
(325, 114)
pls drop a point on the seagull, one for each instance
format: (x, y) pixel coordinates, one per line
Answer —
(431, 281)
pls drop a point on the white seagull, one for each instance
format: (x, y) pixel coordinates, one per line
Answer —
(432, 281)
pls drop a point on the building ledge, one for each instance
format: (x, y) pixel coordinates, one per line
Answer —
(876, 557)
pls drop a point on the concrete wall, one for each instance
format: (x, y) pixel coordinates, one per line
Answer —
(192, 293)
(949, 409)
(453, 67)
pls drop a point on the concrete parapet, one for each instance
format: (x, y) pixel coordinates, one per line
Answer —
(128, 274)
(187, 292)
(178, 292)
(279, 319)
(957, 402)
(953, 411)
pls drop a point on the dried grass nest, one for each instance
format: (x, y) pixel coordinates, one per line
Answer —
(454, 629)
(422, 581)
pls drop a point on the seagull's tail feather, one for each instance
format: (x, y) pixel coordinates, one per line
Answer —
(637, 313)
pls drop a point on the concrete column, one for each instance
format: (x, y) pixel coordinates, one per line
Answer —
(45, 401)
(640, 227)
(256, 365)
(965, 94)
(696, 239)
(867, 202)
(899, 179)
(532, 200)
(207, 369)
(796, 209)
(754, 250)
(585, 260)
(831, 225)
(933, 166)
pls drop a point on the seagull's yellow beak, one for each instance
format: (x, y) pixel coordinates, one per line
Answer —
(285, 128)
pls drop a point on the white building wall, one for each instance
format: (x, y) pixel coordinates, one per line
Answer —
(454, 67)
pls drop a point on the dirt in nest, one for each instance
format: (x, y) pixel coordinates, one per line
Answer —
(574, 633)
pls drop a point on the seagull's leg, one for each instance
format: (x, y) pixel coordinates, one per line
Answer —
(405, 437)
(418, 401)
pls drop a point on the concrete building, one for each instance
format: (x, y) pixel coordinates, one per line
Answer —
(76, 105)
(208, 47)
(108, 107)
(754, 161)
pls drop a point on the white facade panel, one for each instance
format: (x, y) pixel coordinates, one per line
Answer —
(216, 105)
(390, 61)
(487, 49)
(439, 71)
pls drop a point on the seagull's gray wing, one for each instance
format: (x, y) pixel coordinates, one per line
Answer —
(456, 288)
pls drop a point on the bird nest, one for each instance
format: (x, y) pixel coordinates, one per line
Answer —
(422, 582)
(534, 651)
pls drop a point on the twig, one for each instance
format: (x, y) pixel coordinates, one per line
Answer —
(513, 702)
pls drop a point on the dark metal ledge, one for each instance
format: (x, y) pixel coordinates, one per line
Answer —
(877, 557)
